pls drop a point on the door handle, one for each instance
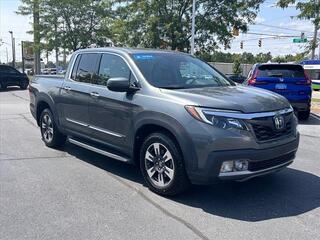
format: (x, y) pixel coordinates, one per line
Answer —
(94, 94)
(67, 88)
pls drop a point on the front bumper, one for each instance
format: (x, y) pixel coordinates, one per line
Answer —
(261, 162)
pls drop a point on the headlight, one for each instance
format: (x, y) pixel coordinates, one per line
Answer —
(216, 118)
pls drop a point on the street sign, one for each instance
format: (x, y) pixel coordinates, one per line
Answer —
(300, 40)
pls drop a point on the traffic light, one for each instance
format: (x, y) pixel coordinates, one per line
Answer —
(241, 45)
(235, 31)
(260, 43)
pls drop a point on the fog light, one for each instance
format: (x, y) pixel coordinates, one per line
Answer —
(241, 165)
(227, 167)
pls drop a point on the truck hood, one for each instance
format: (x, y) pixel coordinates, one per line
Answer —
(239, 98)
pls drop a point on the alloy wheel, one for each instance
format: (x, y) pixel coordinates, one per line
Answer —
(159, 165)
(47, 128)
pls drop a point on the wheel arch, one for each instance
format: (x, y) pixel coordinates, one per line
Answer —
(168, 126)
(43, 102)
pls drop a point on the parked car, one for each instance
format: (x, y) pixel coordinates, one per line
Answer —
(45, 71)
(175, 116)
(236, 78)
(10, 76)
(288, 80)
(52, 71)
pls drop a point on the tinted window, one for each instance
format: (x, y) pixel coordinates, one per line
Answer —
(7, 69)
(172, 70)
(111, 66)
(86, 67)
(287, 71)
(75, 68)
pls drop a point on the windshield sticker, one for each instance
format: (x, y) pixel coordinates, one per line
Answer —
(143, 56)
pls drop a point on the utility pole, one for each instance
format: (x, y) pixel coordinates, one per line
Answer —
(22, 55)
(13, 49)
(36, 36)
(316, 25)
(7, 55)
(193, 25)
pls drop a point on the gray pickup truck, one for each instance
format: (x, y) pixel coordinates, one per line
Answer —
(173, 115)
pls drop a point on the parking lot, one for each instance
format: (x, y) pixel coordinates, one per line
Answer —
(72, 193)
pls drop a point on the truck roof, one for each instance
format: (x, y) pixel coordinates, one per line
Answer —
(124, 50)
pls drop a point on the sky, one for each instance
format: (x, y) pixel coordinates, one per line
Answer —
(270, 20)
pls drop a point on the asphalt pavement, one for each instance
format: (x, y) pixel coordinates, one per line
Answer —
(72, 193)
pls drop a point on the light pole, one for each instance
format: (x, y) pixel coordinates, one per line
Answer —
(13, 49)
(193, 25)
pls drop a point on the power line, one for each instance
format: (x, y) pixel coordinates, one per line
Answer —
(283, 28)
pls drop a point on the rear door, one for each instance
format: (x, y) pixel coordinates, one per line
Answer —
(75, 97)
(288, 80)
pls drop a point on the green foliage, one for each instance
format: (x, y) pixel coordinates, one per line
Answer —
(167, 24)
(237, 69)
(308, 10)
(248, 57)
(72, 24)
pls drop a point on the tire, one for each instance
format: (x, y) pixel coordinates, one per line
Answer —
(51, 136)
(165, 177)
(304, 115)
(3, 86)
(24, 85)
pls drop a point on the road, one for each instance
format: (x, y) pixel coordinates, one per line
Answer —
(72, 193)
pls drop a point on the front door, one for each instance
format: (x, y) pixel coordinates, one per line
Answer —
(110, 112)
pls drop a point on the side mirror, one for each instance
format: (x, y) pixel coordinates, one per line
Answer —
(118, 84)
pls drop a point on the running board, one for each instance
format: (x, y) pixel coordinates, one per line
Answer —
(97, 150)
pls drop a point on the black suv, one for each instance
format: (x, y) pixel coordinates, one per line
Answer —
(10, 76)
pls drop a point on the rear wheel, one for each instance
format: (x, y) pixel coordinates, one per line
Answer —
(162, 166)
(49, 131)
(304, 115)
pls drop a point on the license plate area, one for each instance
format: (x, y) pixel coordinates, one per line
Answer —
(281, 86)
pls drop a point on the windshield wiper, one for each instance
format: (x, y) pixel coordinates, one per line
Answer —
(172, 87)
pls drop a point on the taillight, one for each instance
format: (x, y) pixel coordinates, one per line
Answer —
(307, 80)
(253, 79)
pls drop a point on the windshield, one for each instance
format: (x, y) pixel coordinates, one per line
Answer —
(174, 71)
(285, 71)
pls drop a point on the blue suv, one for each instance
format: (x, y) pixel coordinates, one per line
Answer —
(288, 80)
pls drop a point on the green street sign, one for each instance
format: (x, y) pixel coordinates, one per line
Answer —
(300, 40)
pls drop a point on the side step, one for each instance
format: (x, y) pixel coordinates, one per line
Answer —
(98, 150)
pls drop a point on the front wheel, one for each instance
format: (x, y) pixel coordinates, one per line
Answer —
(162, 166)
(24, 85)
(49, 131)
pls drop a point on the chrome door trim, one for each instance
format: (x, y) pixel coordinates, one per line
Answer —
(98, 150)
(107, 131)
(77, 122)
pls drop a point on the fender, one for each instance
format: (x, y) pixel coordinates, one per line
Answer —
(42, 97)
(173, 126)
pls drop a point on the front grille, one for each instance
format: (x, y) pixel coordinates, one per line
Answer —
(265, 130)
(260, 165)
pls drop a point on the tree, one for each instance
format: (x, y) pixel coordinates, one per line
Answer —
(33, 8)
(308, 10)
(167, 24)
(67, 24)
(237, 69)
